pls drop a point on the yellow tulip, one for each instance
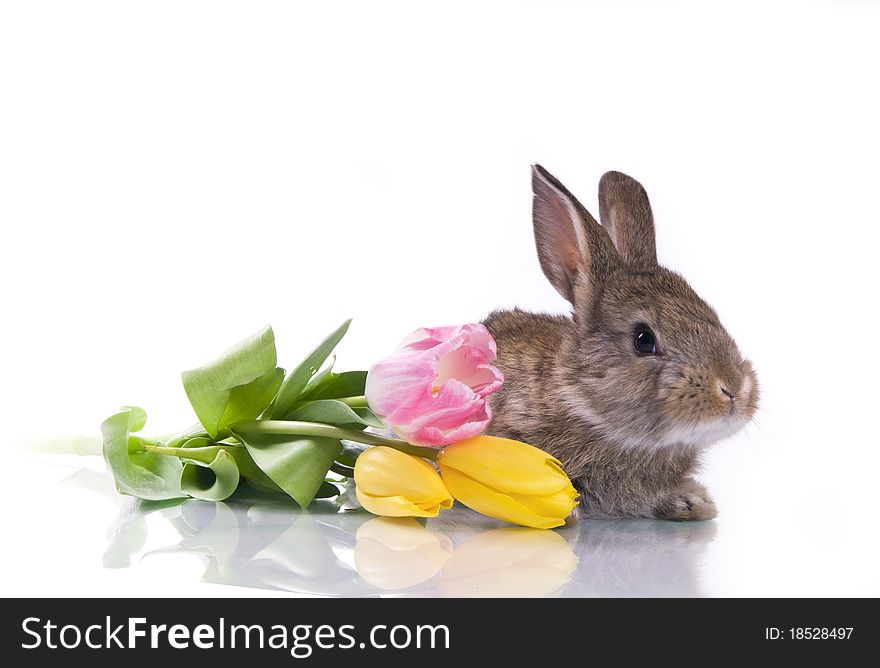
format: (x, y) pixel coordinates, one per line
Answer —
(393, 484)
(508, 480)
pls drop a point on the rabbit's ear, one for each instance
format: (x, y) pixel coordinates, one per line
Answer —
(576, 254)
(625, 212)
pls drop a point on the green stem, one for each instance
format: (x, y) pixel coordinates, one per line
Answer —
(295, 428)
(359, 401)
(205, 455)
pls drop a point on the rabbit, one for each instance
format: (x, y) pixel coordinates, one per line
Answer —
(630, 390)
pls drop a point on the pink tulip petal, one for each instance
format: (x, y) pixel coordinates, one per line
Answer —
(480, 338)
(432, 389)
(395, 386)
(455, 413)
(454, 403)
(465, 365)
(434, 437)
(492, 386)
(474, 335)
(426, 338)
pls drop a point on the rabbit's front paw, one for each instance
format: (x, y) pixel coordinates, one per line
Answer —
(690, 501)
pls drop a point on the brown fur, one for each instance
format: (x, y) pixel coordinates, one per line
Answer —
(628, 428)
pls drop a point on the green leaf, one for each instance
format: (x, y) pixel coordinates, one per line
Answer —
(369, 417)
(345, 384)
(146, 475)
(297, 464)
(238, 385)
(137, 417)
(179, 438)
(328, 411)
(198, 442)
(350, 452)
(298, 378)
(247, 468)
(327, 490)
(250, 471)
(318, 379)
(211, 482)
(246, 402)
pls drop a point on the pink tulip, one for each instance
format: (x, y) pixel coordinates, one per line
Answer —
(432, 390)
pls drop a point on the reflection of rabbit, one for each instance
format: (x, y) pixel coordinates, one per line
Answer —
(632, 557)
(628, 390)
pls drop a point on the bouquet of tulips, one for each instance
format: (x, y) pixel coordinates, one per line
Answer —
(303, 432)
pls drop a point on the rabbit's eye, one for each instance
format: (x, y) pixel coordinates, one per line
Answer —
(644, 341)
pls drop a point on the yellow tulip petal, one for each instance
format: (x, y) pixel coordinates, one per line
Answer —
(442, 502)
(394, 506)
(495, 504)
(558, 505)
(384, 471)
(506, 465)
(438, 503)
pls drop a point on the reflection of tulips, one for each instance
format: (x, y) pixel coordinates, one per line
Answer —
(512, 561)
(395, 484)
(249, 542)
(396, 553)
(508, 480)
(399, 553)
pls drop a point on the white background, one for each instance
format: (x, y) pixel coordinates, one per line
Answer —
(174, 175)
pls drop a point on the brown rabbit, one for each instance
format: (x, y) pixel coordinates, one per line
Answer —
(630, 389)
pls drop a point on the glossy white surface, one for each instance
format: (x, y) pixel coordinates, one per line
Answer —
(81, 538)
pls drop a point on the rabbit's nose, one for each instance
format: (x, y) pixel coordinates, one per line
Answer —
(729, 387)
(728, 391)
